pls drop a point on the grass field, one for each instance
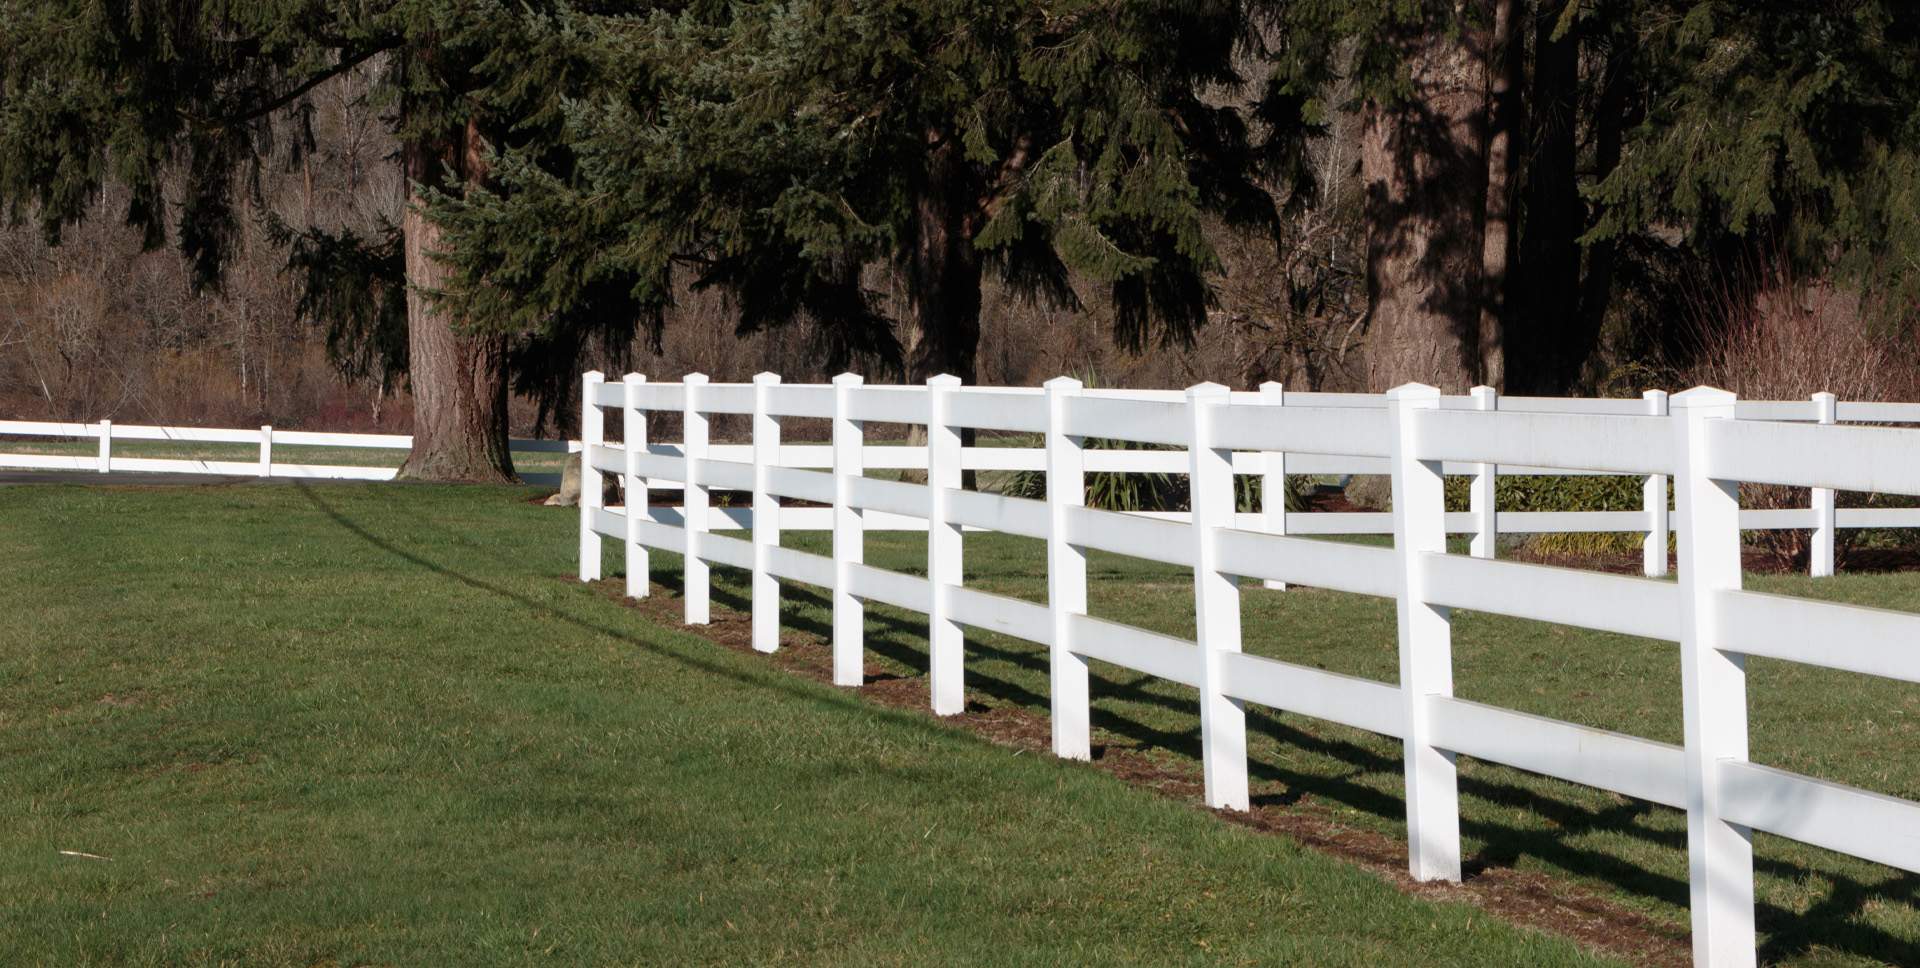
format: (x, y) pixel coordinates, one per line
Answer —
(1815, 907)
(276, 724)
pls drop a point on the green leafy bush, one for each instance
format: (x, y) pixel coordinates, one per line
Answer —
(1581, 492)
(1126, 491)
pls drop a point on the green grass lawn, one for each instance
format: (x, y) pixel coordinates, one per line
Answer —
(377, 724)
(1815, 907)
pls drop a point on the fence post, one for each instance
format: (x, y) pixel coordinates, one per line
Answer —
(266, 451)
(1066, 578)
(633, 438)
(1713, 686)
(1273, 479)
(1825, 533)
(1653, 497)
(849, 536)
(106, 446)
(946, 640)
(693, 446)
(592, 434)
(766, 514)
(1425, 640)
(1482, 498)
(1216, 602)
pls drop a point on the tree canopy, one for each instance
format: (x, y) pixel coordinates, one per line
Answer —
(776, 149)
(1541, 179)
(182, 103)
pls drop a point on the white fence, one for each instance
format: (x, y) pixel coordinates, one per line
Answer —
(1481, 521)
(106, 433)
(1415, 437)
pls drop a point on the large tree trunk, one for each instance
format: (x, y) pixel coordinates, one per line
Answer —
(1424, 164)
(943, 271)
(1546, 355)
(459, 379)
(943, 277)
(1504, 123)
(1612, 117)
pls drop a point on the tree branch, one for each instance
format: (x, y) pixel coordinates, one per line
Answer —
(347, 63)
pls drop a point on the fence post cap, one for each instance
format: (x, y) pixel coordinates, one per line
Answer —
(694, 378)
(1414, 391)
(1703, 397)
(634, 378)
(1209, 389)
(1273, 386)
(943, 380)
(1653, 394)
(1824, 396)
(764, 378)
(849, 380)
(1063, 384)
(593, 376)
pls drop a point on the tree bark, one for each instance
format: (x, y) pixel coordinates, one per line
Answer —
(459, 379)
(1424, 164)
(1547, 356)
(1504, 122)
(1612, 117)
(943, 277)
(943, 270)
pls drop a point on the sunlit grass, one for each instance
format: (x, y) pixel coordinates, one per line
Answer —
(378, 724)
(1815, 907)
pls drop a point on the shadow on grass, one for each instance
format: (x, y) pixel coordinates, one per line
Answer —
(1831, 922)
(772, 679)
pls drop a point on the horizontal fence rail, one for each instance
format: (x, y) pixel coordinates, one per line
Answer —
(107, 433)
(1289, 434)
(1703, 439)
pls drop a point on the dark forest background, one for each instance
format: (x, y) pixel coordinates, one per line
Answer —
(1553, 197)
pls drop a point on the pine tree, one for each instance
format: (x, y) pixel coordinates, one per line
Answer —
(776, 149)
(1658, 142)
(1777, 124)
(180, 101)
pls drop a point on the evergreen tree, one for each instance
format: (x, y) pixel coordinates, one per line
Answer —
(180, 101)
(776, 149)
(1770, 130)
(1655, 142)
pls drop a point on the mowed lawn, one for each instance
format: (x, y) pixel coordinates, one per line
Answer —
(273, 724)
(1815, 907)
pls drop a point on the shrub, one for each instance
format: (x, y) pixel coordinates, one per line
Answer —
(1573, 492)
(1127, 491)
(1769, 335)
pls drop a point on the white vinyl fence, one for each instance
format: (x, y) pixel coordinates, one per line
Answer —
(1701, 442)
(107, 433)
(1481, 521)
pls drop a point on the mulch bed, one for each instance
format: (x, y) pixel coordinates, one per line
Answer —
(1525, 898)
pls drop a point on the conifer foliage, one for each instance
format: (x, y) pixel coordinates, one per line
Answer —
(179, 102)
(776, 149)
(1538, 175)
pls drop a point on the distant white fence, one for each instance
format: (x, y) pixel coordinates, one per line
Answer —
(106, 433)
(1415, 437)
